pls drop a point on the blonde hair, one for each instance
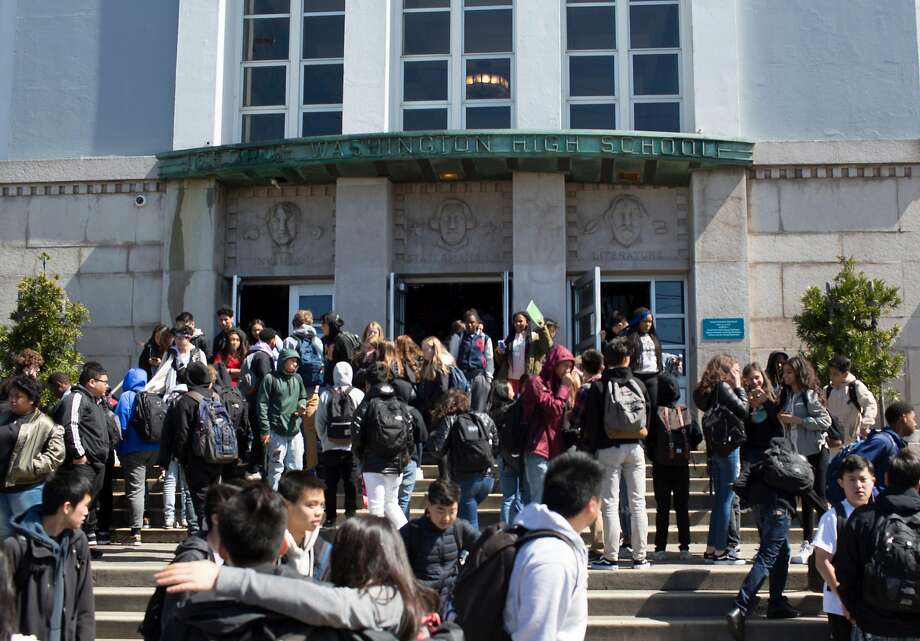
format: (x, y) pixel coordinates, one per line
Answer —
(387, 354)
(372, 325)
(409, 354)
(441, 360)
(302, 317)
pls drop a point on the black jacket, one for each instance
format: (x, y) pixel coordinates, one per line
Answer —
(760, 434)
(428, 393)
(33, 555)
(853, 549)
(86, 427)
(363, 442)
(181, 421)
(441, 444)
(594, 436)
(734, 399)
(433, 553)
(192, 548)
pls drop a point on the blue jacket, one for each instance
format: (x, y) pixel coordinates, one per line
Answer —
(134, 382)
(879, 449)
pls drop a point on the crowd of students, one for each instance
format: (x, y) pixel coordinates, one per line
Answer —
(257, 433)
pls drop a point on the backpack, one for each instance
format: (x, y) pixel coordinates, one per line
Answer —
(482, 587)
(148, 416)
(341, 416)
(891, 576)
(785, 469)
(512, 435)
(248, 384)
(815, 580)
(351, 342)
(723, 430)
(235, 405)
(470, 444)
(458, 380)
(832, 490)
(390, 427)
(625, 409)
(214, 439)
(673, 445)
(311, 362)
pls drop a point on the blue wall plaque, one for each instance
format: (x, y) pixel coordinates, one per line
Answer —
(723, 329)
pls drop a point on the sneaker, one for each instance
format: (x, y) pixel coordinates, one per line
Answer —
(641, 565)
(709, 558)
(726, 559)
(135, 537)
(685, 555)
(95, 554)
(146, 525)
(169, 525)
(181, 523)
(801, 557)
(104, 538)
(658, 555)
(91, 538)
(626, 553)
(604, 563)
(252, 476)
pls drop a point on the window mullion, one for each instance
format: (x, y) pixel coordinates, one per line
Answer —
(624, 75)
(456, 72)
(295, 71)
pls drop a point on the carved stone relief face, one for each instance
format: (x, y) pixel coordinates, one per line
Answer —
(626, 218)
(453, 220)
(282, 221)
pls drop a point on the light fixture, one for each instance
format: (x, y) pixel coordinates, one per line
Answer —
(487, 80)
(449, 175)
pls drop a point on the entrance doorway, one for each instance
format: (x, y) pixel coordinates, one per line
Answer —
(431, 307)
(275, 304)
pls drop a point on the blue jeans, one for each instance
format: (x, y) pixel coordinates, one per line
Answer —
(407, 486)
(772, 558)
(15, 503)
(473, 491)
(284, 453)
(511, 483)
(724, 471)
(534, 473)
(175, 476)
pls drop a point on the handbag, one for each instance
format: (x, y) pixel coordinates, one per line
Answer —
(723, 430)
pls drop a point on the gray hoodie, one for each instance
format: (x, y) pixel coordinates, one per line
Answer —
(305, 332)
(341, 377)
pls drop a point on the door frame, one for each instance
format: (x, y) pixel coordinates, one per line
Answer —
(295, 289)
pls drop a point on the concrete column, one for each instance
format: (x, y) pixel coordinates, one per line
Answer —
(539, 243)
(199, 74)
(716, 73)
(538, 63)
(367, 66)
(719, 276)
(193, 251)
(363, 249)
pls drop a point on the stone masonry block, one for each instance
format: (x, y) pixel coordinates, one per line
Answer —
(721, 289)
(22, 261)
(764, 206)
(773, 334)
(719, 217)
(146, 306)
(108, 298)
(909, 203)
(106, 340)
(150, 219)
(103, 260)
(13, 220)
(844, 205)
(799, 277)
(792, 248)
(145, 258)
(765, 281)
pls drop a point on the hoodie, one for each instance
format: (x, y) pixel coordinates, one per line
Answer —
(544, 399)
(303, 333)
(855, 420)
(341, 377)
(167, 376)
(279, 396)
(548, 589)
(134, 382)
(67, 611)
(85, 423)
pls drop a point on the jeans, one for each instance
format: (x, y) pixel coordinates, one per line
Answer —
(339, 465)
(135, 466)
(15, 503)
(383, 497)
(534, 473)
(511, 483)
(772, 558)
(407, 486)
(668, 480)
(724, 471)
(473, 491)
(819, 463)
(627, 460)
(285, 453)
(175, 476)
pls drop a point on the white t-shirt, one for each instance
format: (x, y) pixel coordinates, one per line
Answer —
(648, 359)
(826, 539)
(518, 347)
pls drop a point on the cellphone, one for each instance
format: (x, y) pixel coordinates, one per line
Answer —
(501, 343)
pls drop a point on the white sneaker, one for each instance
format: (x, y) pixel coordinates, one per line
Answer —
(169, 525)
(801, 557)
(641, 565)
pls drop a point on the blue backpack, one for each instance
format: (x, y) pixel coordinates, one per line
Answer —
(832, 490)
(311, 362)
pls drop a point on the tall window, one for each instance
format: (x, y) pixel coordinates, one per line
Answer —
(624, 62)
(457, 64)
(292, 69)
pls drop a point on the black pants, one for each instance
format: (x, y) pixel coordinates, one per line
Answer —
(95, 472)
(257, 452)
(199, 476)
(338, 465)
(651, 384)
(668, 480)
(819, 464)
(106, 501)
(841, 628)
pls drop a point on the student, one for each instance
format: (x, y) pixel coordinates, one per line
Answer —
(435, 377)
(856, 419)
(465, 440)
(171, 371)
(619, 453)
(548, 589)
(545, 399)
(282, 401)
(646, 360)
(435, 541)
(472, 351)
(523, 351)
(774, 371)
(303, 339)
(339, 345)
(883, 445)
(857, 480)
(885, 572)
(507, 413)
(763, 425)
(305, 499)
(51, 562)
(259, 363)
(31, 448)
(232, 353)
(198, 339)
(226, 327)
(334, 416)
(59, 384)
(155, 349)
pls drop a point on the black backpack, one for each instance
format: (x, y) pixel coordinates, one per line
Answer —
(723, 430)
(815, 580)
(214, 438)
(149, 416)
(482, 587)
(236, 406)
(785, 469)
(389, 424)
(471, 444)
(341, 416)
(891, 577)
(512, 434)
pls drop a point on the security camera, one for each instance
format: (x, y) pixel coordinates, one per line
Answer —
(140, 200)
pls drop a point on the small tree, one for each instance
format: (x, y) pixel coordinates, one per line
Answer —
(843, 319)
(46, 321)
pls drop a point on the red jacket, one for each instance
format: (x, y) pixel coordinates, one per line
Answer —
(544, 400)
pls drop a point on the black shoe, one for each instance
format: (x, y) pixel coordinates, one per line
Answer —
(95, 554)
(735, 620)
(782, 610)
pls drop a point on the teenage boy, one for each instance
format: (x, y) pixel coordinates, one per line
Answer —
(305, 499)
(282, 402)
(621, 454)
(849, 401)
(878, 582)
(472, 351)
(548, 588)
(857, 480)
(172, 372)
(259, 363)
(339, 345)
(435, 541)
(199, 341)
(51, 562)
(309, 347)
(883, 445)
(225, 328)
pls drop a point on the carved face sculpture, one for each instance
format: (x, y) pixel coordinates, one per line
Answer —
(452, 221)
(626, 218)
(282, 223)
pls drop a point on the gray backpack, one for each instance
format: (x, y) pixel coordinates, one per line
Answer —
(624, 409)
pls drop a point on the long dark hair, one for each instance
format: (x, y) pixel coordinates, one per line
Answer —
(243, 348)
(805, 377)
(8, 617)
(772, 361)
(368, 552)
(454, 402)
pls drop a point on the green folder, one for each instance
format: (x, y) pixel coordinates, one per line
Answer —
(534, 312)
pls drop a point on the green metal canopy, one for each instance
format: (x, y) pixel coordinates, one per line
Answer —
(591, 156)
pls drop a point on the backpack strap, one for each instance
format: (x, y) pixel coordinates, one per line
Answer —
(197, 396)
(841, 519)
(853, 396)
